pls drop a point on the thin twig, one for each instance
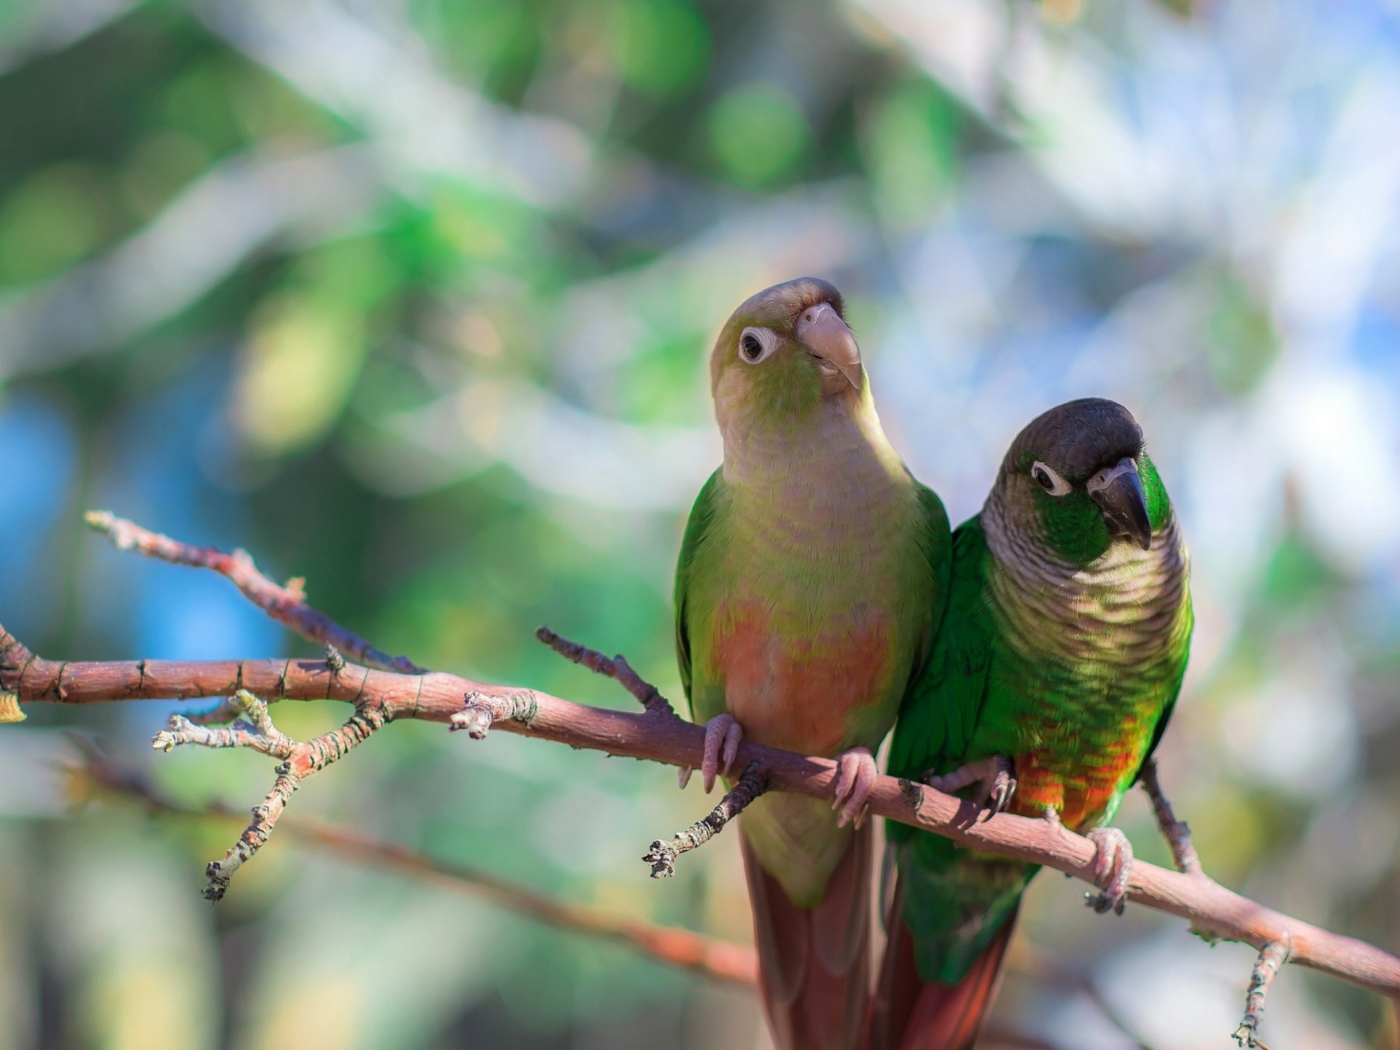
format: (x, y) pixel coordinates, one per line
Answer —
(1211, 909)
(1271, 959)
(662, 855)
(285, 604)
(437, 697)
(255, 730)
(1176, 832)
(612, 667)
(716, 959)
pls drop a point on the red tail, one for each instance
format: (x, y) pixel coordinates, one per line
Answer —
(913, 1014)
(814, 966)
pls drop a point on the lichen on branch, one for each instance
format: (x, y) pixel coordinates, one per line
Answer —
(662, 855)
(251, 727)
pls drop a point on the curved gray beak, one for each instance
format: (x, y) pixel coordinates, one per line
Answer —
(1118, 492)
(828, 339)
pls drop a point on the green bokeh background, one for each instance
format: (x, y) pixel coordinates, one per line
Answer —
(412, 299)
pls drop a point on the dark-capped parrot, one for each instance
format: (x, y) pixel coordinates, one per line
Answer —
(811, 578)
(1062, 649)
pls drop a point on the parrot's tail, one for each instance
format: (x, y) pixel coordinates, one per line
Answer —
(814, 965)
(910, 1013)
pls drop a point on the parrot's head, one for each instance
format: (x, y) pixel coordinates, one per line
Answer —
(785, 353)
(1081, 470)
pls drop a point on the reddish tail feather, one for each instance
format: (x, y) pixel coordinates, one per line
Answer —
(814, 966)
(910, 1013)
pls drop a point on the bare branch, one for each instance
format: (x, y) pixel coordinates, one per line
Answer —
(299, 760)
(437, 697)
(1176, 832)
(381, 696)
(285, 604)
(617, 667)
(707, 956)
(662, 855)
(480, 712)
(1271, 959)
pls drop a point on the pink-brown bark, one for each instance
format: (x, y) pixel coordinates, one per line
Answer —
(662, 737)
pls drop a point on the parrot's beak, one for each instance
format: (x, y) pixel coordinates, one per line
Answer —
(1118, 492)
(827, 338)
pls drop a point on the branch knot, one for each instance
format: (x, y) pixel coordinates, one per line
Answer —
(482, 710)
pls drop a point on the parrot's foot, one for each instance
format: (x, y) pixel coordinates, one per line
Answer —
(722, 738)
(995, 784)
(855, 776)
(1176, 832)
(1113, 867)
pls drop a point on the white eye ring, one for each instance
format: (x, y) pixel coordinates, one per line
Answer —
(757, 344)
(1050, 481)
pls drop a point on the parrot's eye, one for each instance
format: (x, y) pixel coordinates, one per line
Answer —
(1047, 479)
(757, 343)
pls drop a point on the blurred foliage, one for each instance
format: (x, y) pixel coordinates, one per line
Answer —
(414, 299)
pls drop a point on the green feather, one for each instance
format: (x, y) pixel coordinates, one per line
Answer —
(1017, 669)
(733, 547)
(701, 517)
(813, 567)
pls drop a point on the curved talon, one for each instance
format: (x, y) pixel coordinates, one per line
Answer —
(723, 736)
(683, 775)
(1113, 868)
(994, 780)
(855, 776)
(999, 789)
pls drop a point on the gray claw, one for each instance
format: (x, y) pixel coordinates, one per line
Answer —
(994, 780)
(1113, 869)
(1002, 788)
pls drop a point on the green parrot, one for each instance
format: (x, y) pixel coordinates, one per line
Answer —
(1060, 656)
(810, 580)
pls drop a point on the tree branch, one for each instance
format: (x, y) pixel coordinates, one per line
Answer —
(1271, 959)
(662, 855)
(436, 697)
(707, 956)
(656, 735)
(285, 604)
(1176, 832)
(299, 761)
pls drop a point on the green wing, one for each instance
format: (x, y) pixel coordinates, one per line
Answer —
(702, 517)
(941, 708)
(937, 550)
(954, 901)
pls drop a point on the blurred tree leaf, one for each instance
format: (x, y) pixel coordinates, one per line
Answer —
(1242, 342)
(57, 217)
(759, 134)
(661, 46)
